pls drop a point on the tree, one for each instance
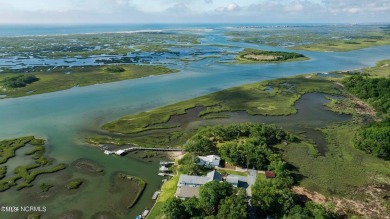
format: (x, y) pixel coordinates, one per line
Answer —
(375, 139)
(311, 210)
(272, 197)
(232, 207)
(19, 81)
(200, 144)
(173, 209)
(211, 193)
(192, 207)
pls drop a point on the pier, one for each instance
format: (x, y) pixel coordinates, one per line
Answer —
(127, 150)
(155, 195)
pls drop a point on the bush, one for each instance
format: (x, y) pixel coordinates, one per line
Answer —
(115, 69)
(19, 81)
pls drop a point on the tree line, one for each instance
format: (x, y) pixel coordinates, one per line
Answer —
(19, 81)
(247, 145)
(373, 138)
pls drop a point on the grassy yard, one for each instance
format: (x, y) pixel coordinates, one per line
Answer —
(65, 78)
(168, 191)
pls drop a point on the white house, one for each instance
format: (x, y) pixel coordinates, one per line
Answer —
(210, 161)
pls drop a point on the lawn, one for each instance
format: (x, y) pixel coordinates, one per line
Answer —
(168, 191)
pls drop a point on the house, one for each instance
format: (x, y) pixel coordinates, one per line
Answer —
(210, 161)
(192, 181)
(187, 192)
(197, 181)
(237, 181)
(269, 174)
(188, 186)
(232, 179)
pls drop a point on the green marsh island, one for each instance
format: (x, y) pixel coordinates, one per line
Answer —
(261, 56)
(34, 162)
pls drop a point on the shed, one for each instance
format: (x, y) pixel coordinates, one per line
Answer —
(269, 174)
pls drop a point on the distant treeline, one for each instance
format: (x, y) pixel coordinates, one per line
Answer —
(19, 81)
(374, 138)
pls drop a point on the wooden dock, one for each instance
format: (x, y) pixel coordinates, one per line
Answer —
(127, 150)
(166, 163)
(165, 174)
(155, 195)
(145, 213)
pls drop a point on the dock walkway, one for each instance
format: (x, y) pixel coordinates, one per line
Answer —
(126, 150)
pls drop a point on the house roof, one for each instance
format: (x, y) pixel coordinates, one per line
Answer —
(187, 192)
(194, 180)
(214, 175)
(199, 180)
(213, 160)
(232, 179)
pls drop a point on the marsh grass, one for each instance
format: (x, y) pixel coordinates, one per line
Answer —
(252, 98)
(343, 169)
(80, 76)
(24, 175)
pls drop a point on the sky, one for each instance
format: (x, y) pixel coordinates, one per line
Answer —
(193, 11)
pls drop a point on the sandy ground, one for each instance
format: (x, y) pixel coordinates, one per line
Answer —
(372, 207)
(261, 57)
(176, 155)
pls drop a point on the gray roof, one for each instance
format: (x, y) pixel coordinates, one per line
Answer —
(188, 180)
(232, 179)
(187, 192)
(214, 175)
(192, 180)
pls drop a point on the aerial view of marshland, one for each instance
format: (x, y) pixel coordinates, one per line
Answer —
(187, 110)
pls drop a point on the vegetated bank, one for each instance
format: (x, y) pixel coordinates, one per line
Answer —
(40, 80)
(130, 188)
(250, 56)
(23, 176)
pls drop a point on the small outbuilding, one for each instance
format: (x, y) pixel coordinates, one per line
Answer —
(269, 174)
